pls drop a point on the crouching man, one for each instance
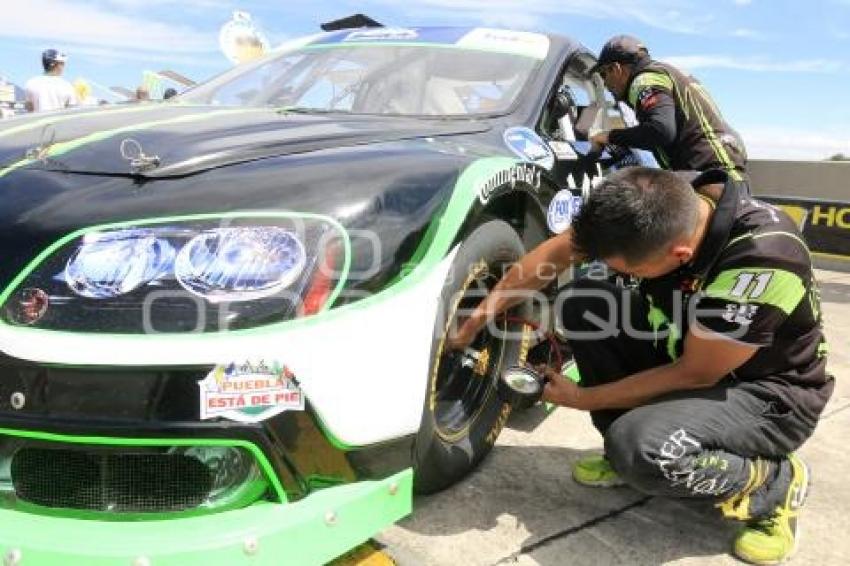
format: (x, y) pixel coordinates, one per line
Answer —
(706, 377)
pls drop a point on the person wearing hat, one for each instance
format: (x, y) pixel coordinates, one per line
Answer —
(677, 119)
(50, 91)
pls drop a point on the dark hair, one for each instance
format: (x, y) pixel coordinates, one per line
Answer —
(633, 213)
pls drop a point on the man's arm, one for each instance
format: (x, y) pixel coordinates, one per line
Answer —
(708, 357)
(656, 114)
(532, 272)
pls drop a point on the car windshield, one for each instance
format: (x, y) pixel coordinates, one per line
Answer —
(376, 79)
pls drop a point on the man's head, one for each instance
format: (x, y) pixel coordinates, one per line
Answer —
(617, 60)
(142, 93)
(53, 61)
(639, 221)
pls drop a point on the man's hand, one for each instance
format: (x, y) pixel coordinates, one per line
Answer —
(532, 272)
(559, 390)
(599, 140)
(462, 333)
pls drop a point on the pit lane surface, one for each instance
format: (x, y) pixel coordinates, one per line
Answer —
(521, 507)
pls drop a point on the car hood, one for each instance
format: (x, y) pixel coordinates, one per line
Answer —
(165, 140)
(385, 176)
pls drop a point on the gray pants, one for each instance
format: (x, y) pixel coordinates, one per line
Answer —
(714, 443)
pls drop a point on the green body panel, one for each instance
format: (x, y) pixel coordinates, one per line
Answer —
(312, 531)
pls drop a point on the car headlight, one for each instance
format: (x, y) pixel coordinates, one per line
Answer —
(240, 264)
(191, 274)
(111, 264)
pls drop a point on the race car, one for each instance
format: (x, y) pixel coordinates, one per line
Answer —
(223, 317)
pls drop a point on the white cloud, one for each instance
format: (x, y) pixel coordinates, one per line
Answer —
(779, 143)
(59, 23)
(679, 16)
(184, 4)
(743, 2)
(105, 56)
(757, 64)
(747, 33)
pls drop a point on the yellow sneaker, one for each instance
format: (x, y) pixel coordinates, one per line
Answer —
(596, 471)
(774, 540)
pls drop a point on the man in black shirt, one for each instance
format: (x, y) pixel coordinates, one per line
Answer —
(678, 120)
(705, 378)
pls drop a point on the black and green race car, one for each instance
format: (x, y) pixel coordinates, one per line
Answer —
(222, 317)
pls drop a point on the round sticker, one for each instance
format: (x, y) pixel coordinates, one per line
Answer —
(529, 146)
(561, 211)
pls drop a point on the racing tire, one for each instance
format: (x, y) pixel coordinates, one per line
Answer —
(463, 413)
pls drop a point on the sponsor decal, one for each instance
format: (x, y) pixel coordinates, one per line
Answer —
(563, 150)
(562, 209)
(519, 42)
(831, 216)
(649, 97)
(249, 393)
(648, 102)
(383, 34)
(525, 143)
(825, 224)
(507, 179)
(740, 314)
(241, 40)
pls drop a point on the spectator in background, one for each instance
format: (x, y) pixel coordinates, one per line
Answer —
(50, 91)
(142, 94)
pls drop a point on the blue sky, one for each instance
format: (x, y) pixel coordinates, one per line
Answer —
(778, 68)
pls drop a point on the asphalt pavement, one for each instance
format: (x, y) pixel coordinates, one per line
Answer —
(521, 507)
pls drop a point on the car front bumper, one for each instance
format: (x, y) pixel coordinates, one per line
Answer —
(314, 530)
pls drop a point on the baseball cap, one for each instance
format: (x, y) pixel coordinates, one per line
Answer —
(53, 56)
(621, 49)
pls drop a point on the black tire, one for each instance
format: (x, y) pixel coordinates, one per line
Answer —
(463, 414)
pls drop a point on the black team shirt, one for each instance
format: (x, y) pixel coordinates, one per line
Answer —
(751, 281)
